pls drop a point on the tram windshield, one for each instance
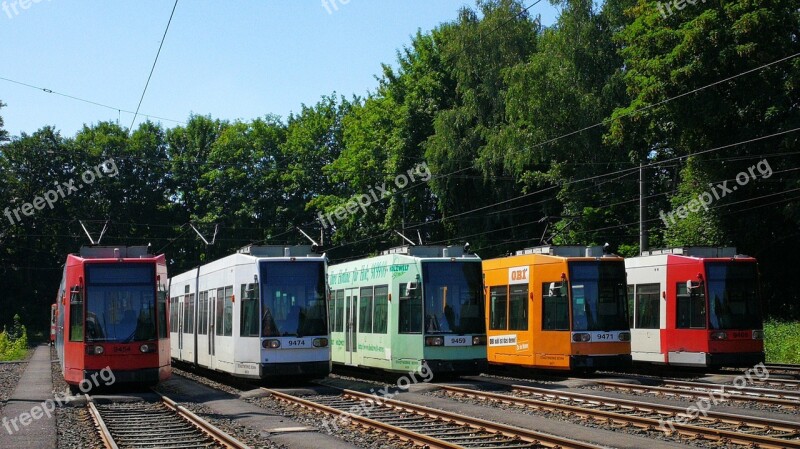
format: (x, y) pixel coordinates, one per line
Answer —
(453, 298)
(120, 302)
(293, 299)
(599, 301)
(733, 295)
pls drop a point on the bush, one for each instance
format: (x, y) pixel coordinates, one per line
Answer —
(14, 344)
(782, 341)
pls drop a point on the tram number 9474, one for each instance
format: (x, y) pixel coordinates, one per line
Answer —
(296, 343)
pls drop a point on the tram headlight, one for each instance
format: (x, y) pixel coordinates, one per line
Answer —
(434, 341)
(94, 350)
(479, 340)
(320, 342)
(271, 344)
(581, 337)
(145, 348)
(719, 336)
(758, 335)
(624, 336)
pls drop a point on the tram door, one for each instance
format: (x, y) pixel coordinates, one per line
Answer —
(212, 320)
(181, 307)
(351, 329)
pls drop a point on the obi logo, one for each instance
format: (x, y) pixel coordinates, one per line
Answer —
(518, 275)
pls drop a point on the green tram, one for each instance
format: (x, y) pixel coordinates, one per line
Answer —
(409, 306)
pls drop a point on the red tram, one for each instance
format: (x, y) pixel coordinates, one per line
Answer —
(695, 306)
(112, 315)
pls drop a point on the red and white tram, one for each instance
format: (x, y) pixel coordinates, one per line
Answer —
(695, 306)
(112, 314)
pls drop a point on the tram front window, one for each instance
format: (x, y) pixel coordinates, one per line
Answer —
(293, 299)
(733, 296)
(120, 303)
(599, 296)
(453, 298)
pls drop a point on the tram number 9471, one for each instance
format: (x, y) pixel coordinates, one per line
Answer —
(604, 337)
(296, 343)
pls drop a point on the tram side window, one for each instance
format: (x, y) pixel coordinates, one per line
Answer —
(691, 307)
(648, 306)
(228, 323)
(518, 308)
(188, 314)
(220, 312)
(365, 311)
(381, 318)
(332, 312)
(202, 313)
(76, 315)
(339, 311)
(410, 316)
(555, 307)
(162, 313)
(250, 300)
(498, 310)
(173, 314)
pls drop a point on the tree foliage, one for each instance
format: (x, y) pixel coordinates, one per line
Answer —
(532, 135)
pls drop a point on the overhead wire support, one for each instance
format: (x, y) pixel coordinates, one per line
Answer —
(200, 234)
(89, 235)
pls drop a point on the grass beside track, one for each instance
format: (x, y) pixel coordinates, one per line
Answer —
(782, 341)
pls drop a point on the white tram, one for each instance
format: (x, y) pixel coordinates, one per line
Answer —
(259, 313)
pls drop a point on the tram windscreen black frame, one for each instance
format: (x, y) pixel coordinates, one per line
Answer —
(120, 302)
(293, 300)
(453, 302)
(599, 296)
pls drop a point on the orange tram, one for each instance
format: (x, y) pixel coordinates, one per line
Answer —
(112, 315)
(557, 307)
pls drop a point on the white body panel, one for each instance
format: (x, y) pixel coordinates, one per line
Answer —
(235, 354)
(646, 343)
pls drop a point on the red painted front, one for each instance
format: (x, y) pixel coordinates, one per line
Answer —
(119, 357)
(679, 270)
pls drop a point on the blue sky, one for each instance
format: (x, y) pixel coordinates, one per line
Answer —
(232, 60)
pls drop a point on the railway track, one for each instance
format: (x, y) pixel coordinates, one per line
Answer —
(744, 391)
(719, 427)
(693, 390)
(785, 368)
(162, 424)
(427, 427)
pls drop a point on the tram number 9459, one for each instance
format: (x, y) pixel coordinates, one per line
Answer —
(296, 343)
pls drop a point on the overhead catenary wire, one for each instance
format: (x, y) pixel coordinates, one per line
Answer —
(95, 103)
(155, 61)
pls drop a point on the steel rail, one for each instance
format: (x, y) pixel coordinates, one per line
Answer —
(699, 393)
(745, 391)
(687, 430)
(403, 434)
(480, 424)
(105, 434)
(189, 419)
(204, 426)
(666, 410)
